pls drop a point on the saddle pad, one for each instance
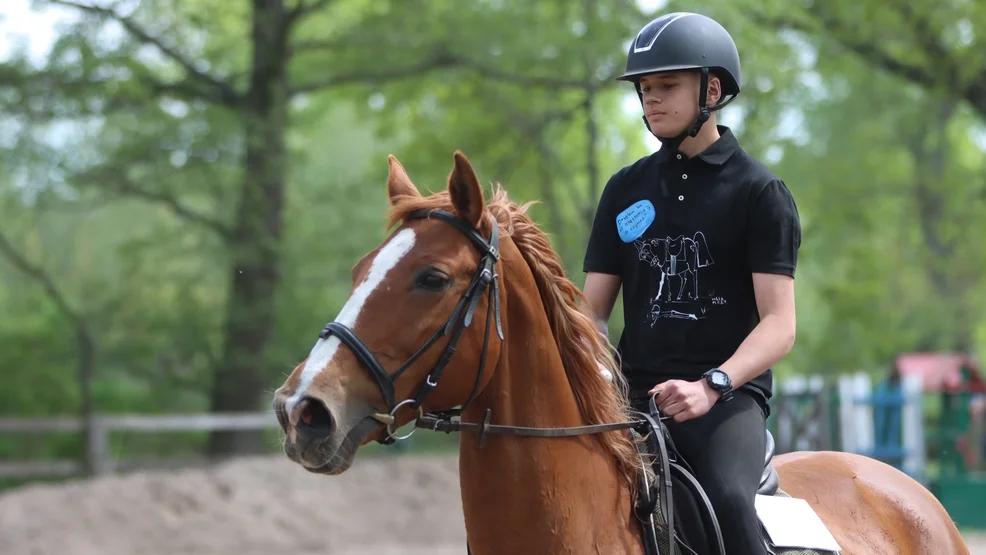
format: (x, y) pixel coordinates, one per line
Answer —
(790, 550)
(664, 540)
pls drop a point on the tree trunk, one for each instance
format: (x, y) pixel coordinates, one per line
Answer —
(86, 343)
(241, 376)
(932, 210)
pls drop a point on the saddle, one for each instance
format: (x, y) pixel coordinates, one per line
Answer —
(675, 491)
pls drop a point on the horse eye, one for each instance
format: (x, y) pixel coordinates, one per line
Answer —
(432, 279)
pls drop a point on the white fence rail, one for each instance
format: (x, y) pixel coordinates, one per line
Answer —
(99, 454)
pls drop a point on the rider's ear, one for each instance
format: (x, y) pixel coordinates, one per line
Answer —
(464, 189)
(714, 93)
(398, 183)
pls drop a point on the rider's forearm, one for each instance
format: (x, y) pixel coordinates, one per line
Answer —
(767, 344)
(602, 326)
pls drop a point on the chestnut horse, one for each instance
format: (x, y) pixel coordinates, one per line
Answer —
(466, 305)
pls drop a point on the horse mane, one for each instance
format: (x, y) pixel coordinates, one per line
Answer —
(583, 348)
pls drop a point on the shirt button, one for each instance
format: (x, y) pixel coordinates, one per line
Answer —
(681, 197)
(684, 176)
(679, 157)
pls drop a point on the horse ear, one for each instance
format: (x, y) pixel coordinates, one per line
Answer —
(398, 183)
(464, 189)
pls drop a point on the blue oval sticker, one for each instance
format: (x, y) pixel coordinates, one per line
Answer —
(632, 222)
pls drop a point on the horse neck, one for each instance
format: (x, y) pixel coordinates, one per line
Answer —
(538, 495)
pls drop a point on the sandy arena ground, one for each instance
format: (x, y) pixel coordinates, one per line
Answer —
(261, 506)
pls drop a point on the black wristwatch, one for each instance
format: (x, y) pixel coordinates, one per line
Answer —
(720, 381)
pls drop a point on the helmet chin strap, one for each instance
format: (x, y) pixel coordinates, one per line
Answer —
(703, 114)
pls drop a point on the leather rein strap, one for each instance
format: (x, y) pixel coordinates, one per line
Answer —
(442, 422)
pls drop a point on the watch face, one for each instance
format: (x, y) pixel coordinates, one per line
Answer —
(719, 379)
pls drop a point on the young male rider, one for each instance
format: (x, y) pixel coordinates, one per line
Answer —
(703, 239)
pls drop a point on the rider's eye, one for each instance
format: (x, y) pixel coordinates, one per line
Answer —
(432, 279)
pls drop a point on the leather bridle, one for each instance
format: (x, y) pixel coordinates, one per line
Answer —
(460, 319)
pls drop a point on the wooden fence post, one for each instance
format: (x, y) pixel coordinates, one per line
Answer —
(98, 460)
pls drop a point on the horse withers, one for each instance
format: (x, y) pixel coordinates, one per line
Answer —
(466, 307)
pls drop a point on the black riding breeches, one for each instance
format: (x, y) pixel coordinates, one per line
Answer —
(725, 449)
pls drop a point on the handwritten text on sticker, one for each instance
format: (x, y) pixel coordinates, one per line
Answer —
(632, 222)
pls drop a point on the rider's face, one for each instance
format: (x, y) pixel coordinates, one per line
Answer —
(671, 100)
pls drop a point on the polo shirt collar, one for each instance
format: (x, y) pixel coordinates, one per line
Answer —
(718, 152)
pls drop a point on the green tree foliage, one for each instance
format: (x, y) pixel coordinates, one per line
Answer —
(892, 163)
(196, 178)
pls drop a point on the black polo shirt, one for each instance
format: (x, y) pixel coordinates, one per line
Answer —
(685, 235)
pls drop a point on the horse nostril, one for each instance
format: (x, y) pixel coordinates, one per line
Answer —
(312, 419)
(280, 411)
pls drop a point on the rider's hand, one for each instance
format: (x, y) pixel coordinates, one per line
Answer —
(684, 400)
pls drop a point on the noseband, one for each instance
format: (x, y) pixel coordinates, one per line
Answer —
(460, 319)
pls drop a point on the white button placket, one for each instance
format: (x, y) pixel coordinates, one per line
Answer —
(684, 176)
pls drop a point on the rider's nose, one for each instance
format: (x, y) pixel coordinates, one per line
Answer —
(311, 419)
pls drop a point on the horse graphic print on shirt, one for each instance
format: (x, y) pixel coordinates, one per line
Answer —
(679, 260)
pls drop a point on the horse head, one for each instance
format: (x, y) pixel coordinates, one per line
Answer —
(429, 291)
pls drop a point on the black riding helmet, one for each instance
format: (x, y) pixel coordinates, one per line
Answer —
(682, 41)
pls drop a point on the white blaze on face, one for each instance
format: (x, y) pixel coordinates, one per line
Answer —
(325, 349)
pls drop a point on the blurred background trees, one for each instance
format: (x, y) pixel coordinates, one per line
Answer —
(187, 183)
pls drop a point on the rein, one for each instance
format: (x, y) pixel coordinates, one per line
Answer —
(442, 422)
